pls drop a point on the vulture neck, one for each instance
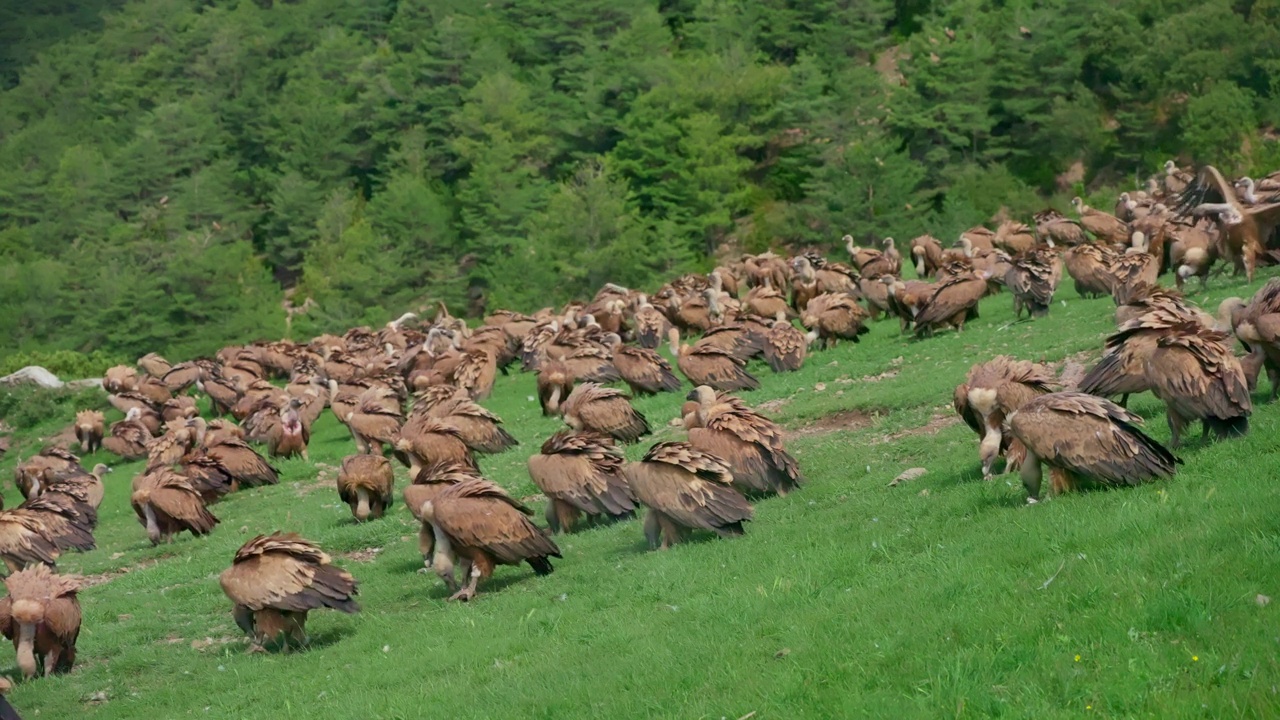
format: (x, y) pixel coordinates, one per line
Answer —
(26, 649)
(1248, 195)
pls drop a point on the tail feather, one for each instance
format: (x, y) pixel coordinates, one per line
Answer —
(1223, 428)
(541, 565)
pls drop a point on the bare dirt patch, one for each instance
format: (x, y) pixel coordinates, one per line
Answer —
(936, 424)
(362, 556)
(88, 581)
(845, 420)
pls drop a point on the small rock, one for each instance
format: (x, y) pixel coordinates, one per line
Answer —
(1262, 600)
(98, 698)
(820, 387)
(782, 653)
(906, 475)
(386, 648)
(924, 492)
(244, 529)
(839, 393)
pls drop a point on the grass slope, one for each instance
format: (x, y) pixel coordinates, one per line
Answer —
(944, 596)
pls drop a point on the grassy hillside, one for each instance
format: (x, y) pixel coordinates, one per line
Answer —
(942, 596)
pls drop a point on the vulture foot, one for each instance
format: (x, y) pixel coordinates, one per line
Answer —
(464, 595)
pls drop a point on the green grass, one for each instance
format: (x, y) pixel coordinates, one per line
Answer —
(944, 596)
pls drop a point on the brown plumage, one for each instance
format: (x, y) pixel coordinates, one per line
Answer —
(642, 369)
(41, 616)
(1013, 237)
(1257, 325)
(25, 539)
(581, 474)
(480, 429)
(169, 448)
(89, 429)
(476, 524)
(744, 340)
(991, 392)
(905, 298)
(84, 486)
(50, 464)
(366, 483)
(766, 301)
(832, 317)
(1102, 225)
(1032, 278)
(785, 347)
(748, 443)
(291, 434)
(1054, 228)
(651, 325)
(1133, 268)
(154, 390)
(589, 362)
(182, 407)
(426, 485)
(1122, 370)
(425, 440)
(154, 365)
(119, 379)
(1083, 438)
(1243, 230)
(375, 420)
(604, 410)
(1088, 265)
(555, 382)
(206, 475)
(926, 253)
(685, 489)
(953, 302)
(710, 365)
(275, 580)
(242, 464)
(1196, 375)
(476, 372)
(166, 504)
(129, 437)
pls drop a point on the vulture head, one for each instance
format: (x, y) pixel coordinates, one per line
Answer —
(887, 243)
(848, 244)
(100, 469)
(1170, 167)
(1138, 243)
(1230, 312)
(967, 245)
(1078, 204)
(395, 324)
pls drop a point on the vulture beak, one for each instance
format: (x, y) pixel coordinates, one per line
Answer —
(693, 394)
(110, 469)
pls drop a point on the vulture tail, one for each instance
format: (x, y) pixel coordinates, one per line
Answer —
(731, 530)
(1223, 428)
(541, 565)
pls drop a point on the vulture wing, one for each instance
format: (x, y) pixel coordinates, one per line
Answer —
(285, 572)
(1092, 437)
(478, 514)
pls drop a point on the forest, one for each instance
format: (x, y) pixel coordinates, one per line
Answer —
(174, 174)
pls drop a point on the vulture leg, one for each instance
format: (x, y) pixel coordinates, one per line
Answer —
(1014, 455)
(568, 515)
(1176, 424)
(671, 532)
(989, 450)
(553, 517)
(479, 565)
(442, 564)
(51, 660)
(426, 544)
(1031, 475)
(1124, 401)
(652, 530)
(1273, 375)
(1061, 481)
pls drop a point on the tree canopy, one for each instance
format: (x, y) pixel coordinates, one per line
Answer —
(170, 169)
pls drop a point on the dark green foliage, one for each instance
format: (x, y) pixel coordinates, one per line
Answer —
(26, 406)
(170, 168)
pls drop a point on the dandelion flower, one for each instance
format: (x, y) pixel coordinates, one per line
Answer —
(1077, 658)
